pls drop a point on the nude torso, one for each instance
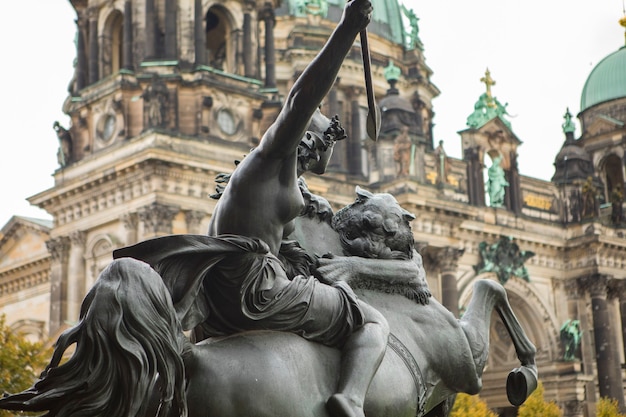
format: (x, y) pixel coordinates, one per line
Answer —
(263, 190)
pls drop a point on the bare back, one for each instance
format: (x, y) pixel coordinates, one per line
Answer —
(261, 200)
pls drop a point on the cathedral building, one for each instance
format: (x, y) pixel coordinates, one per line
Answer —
(167, 94)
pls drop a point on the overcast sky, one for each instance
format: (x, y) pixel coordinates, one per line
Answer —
(539, 53)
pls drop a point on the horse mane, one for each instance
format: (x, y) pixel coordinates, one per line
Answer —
(127, 335)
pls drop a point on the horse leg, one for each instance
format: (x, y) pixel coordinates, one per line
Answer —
(489, 295)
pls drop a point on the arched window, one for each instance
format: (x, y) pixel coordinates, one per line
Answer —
(112, 41)
(614, 175)
(218, 40)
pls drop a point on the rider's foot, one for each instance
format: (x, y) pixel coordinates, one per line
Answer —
(341, 406)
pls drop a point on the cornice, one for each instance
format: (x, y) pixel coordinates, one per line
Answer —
(24, 276)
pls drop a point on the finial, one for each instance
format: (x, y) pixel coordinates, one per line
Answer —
(622, 23)
(392, 72)
(488, 83)
(568, 126)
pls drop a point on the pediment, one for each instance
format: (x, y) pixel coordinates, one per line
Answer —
(493, 138)
(23, 239)
(603, 124)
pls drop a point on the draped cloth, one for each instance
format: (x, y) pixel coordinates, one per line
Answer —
(228, 284)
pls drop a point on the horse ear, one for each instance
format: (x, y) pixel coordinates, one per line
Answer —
(363, 195)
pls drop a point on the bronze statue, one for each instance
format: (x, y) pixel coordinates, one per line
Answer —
(280, 342)
(129, 331)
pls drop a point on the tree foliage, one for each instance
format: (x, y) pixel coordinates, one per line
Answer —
(21, 361)
(470, 406)
(607, 407)
(536, 405)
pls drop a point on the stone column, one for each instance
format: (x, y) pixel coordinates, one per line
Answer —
(572, 292)
(607, 359)
(620, 291)
(475, 178)
(447, 260)
(93, 46)
(130, 222)
(576, 308)
(269, 20)
(199, 33)
(194, 218)
(127, 49)
(157, 219)
(573, 408)
(248, 58)
(59, 253)
(171, 16)
(513, 196)
(151, 29)
(354, 158)
(81, 56)
(76, 276)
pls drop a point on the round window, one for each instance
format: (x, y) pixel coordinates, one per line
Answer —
(226, 122)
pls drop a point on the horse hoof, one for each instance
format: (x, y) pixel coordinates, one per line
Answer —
(520, 383)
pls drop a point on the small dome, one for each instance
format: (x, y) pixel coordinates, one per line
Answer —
(607, 80)
(387, 19)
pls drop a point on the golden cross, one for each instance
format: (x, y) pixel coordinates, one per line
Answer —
(488, 83)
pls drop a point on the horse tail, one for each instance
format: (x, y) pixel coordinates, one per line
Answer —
(128, 334)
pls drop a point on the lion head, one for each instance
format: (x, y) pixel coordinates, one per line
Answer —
(375, 226)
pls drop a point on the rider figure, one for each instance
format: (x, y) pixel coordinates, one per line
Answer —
(262, 200)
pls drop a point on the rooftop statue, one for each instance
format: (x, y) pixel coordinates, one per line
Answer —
(278, 332)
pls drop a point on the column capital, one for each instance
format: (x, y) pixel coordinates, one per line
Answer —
(193, 218)
(447, 258)
(572, 289)
(157, 217)
(58, 247)
(78, 238)
(595, 284)
(617, 289)
(267, 13)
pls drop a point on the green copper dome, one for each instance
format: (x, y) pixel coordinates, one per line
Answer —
(607, 80)
(390, 19)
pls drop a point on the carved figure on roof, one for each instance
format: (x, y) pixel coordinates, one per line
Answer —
(442, 163)
(497, 183)
(589, 199)
(571, 335)
(504, 258)
(156, 98)
(312, 8)
(617, 210)
(64, 153)
(413, 39)
(402, 147)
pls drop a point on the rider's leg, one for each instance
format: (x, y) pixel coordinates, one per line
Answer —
(361, 356)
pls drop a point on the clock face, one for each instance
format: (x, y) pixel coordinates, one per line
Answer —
(226, 122)
(107, 126)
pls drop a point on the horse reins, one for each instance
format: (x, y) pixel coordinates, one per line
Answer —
(397, 346)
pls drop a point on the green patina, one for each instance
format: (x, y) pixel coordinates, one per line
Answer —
(392, 72)
(607, 80)
(504, 258)
(487, 107)
(568, 126)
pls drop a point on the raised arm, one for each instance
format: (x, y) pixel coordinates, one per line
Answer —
(283, 137)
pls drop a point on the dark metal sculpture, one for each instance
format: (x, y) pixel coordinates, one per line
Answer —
(279, 333)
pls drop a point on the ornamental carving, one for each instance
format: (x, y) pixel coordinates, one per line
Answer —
(504, 258)
(58, 248)
(157, 218)
(596, 285)
(448, 258)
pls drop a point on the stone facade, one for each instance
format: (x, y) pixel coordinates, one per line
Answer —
(167, 94)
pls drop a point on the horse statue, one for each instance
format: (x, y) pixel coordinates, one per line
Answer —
(132, 358)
